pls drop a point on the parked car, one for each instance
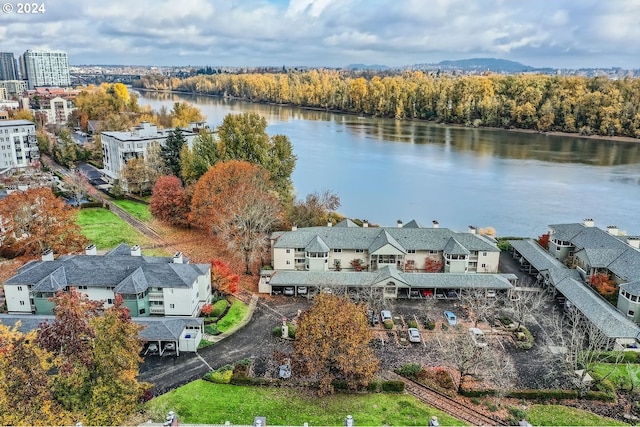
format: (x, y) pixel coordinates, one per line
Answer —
(452, 294)
(302, 290)
(414, 335)
(478, 338)
(152, 348)
(414, 293)
(491, 293)
(170, 346)
(276, 290)
(451, 318)
(385, 315)
(373, 318)
(426, 293)
(289, 291)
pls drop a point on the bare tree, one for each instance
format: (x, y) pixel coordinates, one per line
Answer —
(478, 303)
(461, 353)
(583, 346)
(525, 301)
(501, 374)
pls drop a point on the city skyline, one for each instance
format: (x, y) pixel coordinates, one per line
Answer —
(558, 34)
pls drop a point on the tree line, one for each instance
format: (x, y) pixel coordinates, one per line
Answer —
(589, 106)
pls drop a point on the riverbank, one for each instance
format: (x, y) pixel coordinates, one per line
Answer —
(624, 139)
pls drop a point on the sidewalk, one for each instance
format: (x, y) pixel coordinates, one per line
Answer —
(216, 338)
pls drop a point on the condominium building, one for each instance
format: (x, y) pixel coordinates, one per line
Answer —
(120, 147)
(45, 68)
(14, 87)
(18, 144)
(150, 286)
(8, 68)
(52, 105)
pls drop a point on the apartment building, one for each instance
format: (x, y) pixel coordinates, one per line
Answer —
(405, 259)
(52, 105)
(14, 88)
(150, 286)
(18, 144)
(119, 147)
(45, 68)
(8, 67)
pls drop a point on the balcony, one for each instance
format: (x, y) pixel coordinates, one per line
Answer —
(156, 309)
(156, 296)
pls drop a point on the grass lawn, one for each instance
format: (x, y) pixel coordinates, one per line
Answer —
(620, 375)
(106, 230)
(236, 313)
(557, 415)
(202, 402)
(138, 210)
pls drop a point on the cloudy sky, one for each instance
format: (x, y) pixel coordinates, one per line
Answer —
(542, 33)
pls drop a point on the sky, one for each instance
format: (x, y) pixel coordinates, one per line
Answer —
(330, 33)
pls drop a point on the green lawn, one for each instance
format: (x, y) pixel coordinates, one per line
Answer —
(138, 210)
(106, 229)
(557, 415)
(236, 313)
(202, 402)
(620, 375)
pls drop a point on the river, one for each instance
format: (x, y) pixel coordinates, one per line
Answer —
(385, 170)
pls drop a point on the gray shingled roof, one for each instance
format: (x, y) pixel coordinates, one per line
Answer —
(316, 245)
(453, 247)
(536, 255)
(382, 239)
(600, 257)
(365, 279)
(566, 231)
(346, 223)
(412, 224)
(54, 282)
(627, 265)
(631, 287)
(600, 312)
(363, 237)
(130, 273)
(155, 328)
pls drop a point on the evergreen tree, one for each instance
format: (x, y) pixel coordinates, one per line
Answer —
(170, 152)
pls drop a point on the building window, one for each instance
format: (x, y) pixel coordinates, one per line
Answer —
(359, 251)
(433, 252)
(483, 265)
(142, 311)
(19, 288)
(288, 261)
(109, 300)
(337, 250)
(484, 254)
(21, 302)
(172, 306)
(83, 287)
(411, 251)
(634, 298)
(288, 251)
(631, 313)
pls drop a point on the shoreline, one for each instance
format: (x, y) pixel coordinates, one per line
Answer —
(624, 139)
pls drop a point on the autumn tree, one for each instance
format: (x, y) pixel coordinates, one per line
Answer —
(171, 149)
(184, 113)
(332, 343)
(433, 265)
(26, 395)
(543, 240)
(603, 284)
(39, 220)
(169, 201)
(234, 200)
(223, 278)
(315, 209)
(135, 175)
(154, 162)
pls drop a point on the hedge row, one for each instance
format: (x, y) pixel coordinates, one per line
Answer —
(545, 394)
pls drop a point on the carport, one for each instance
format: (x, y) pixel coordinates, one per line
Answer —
(184, 333)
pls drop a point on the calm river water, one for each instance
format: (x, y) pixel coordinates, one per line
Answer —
(385, 170)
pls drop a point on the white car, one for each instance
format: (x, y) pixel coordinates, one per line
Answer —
(385, 315)
(478, 338)
(414, 335)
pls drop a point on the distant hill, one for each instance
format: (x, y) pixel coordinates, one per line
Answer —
(366, 67)
(486, 64)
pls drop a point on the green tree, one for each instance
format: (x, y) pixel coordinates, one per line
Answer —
(280, 163)
(195, 162)
(170, 151)
(332, 343)
(135, 175)
(244, 137)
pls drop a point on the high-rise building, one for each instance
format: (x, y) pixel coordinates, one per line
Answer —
(45, 68)
(8, 69)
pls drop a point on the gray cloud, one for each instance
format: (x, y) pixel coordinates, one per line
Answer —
(555, 33)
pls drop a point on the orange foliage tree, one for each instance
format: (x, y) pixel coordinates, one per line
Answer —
(432, 265)
(543, 240)
(35, 220)
(169, 201)
(222, 278)
(235, 201)
(603, 284)
(332, 343)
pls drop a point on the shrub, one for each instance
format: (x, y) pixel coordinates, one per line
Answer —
(291, 330)
(240, 370)
(490, 406)
(219, 307)
(409, 370)
(211, 329)
(388, 324)
(443, 379)
(393, 386)
(602, 396)
(374, 386)
(430, 324)
(506, 321)
(516, 414)
(277, 331)
(219, 377)
(412, 324)
(525, 339)
(340, 384)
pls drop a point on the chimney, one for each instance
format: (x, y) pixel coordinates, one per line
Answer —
(588, 222)
(399, 223)
(435, 223)
(472, 229)
(135, 250)
(365, 223)
(47, 255)
(90, 250)
(329, 223)
(612, 229)
(177, 258)
(294, 227)
(634, 242)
